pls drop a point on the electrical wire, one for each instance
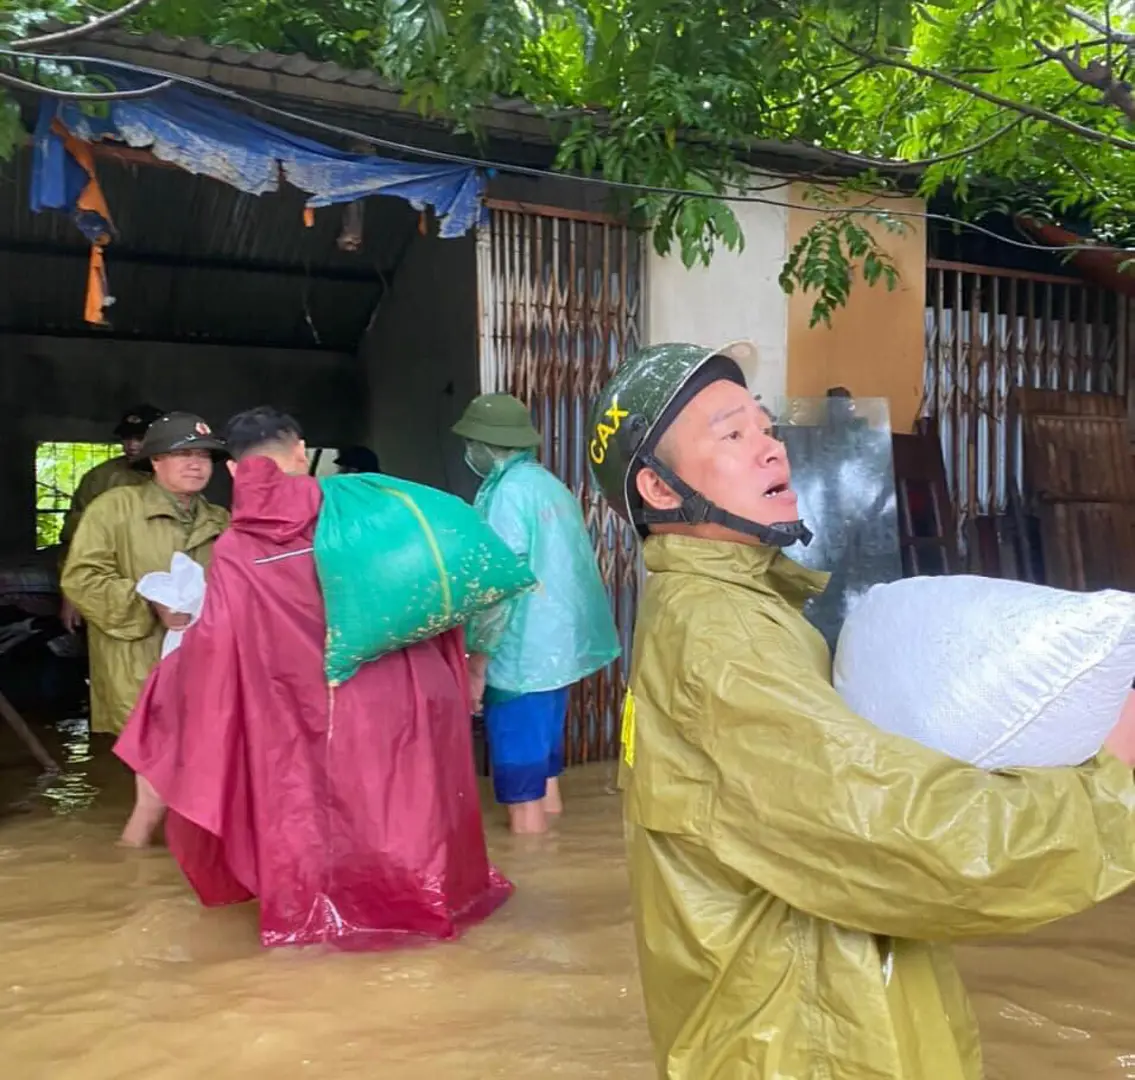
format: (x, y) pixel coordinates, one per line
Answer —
(84, 95)
(544, 173)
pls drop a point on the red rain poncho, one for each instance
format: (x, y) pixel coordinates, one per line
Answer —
(351, 814)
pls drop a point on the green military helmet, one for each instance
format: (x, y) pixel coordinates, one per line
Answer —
(643, 397)
(633, 402)
(498, 420)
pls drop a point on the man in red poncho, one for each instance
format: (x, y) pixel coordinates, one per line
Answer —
(351, 814)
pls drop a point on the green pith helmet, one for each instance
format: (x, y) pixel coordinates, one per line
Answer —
(498, 420)
(180, 431)
(624, 430)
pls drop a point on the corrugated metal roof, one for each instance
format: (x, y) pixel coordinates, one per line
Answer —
(365, 91)
(44, 295)
(173, 212)
(195, 259)
(198, 260)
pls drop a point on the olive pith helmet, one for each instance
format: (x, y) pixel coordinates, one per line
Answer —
(180, 431)
(630, 406)
(498, 420)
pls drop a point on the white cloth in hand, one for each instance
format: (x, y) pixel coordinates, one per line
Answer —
(182, 590)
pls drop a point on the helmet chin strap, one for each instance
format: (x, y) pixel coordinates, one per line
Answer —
(696, 509)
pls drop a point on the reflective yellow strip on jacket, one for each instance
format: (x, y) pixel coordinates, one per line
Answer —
(627, 737)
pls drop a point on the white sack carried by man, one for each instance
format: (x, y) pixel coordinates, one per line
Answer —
(182, 590)
(1000, 674)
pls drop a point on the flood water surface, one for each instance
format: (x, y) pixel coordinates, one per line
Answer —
(109, 969)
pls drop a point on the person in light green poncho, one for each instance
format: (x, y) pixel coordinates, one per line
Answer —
(530, 651)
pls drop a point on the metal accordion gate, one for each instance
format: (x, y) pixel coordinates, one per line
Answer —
(989, 330)
(560, 301)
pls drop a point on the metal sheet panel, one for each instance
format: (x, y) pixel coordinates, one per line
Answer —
(843, 472)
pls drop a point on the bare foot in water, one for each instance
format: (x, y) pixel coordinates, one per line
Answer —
(553, 801)
(527, 818)
(131, 838)
(141, 830)
(147, 817)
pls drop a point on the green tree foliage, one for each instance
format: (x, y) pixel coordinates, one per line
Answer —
(58, 469)
(20, 24)
(1017, 105)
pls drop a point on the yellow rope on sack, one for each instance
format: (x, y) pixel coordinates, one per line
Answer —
(435, 550)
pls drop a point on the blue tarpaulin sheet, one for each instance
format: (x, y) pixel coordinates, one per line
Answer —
(204, 137)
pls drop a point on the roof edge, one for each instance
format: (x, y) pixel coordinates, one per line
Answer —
(298, 78)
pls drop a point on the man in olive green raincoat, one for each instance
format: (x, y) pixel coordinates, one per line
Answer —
(798, 873)
(131, 531)
(117, 471)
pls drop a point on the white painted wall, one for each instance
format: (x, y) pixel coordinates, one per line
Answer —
(735, 297)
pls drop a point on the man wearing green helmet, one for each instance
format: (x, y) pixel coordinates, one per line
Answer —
(796, 872)
(528, 652)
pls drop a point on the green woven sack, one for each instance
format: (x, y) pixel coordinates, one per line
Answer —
(400, 562)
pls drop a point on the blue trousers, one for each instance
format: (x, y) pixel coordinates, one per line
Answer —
(526, 743)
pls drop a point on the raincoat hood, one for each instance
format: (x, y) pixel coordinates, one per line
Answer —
(270, 504)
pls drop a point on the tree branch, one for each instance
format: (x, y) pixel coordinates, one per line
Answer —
(1028, 65)
(1031, 111)
(924, 163)
(1093, 23)
(82, 30)
(820, 91)
(1095, 74)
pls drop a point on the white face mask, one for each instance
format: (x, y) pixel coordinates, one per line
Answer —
(479, 458)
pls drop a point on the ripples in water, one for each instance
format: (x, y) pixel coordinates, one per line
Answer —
(111, 970)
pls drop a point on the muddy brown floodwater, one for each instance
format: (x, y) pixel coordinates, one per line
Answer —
(109, 970)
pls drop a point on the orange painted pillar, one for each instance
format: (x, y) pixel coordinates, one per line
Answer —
(876, 345)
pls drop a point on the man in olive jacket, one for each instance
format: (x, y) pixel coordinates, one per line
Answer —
(797, 873)
(131, 531)
(118, 470)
